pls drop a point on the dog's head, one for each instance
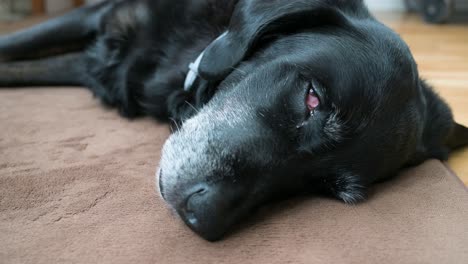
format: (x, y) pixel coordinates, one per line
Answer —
(314, 95)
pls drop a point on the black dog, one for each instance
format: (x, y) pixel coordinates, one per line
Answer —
(286, 96)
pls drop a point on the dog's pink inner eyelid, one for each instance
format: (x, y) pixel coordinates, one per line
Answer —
(312, 100)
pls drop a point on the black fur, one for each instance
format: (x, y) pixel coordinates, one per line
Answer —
(375, 117)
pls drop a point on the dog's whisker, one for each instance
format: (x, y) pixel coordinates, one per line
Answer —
(175, 123)
(193, 107)
(239, 70)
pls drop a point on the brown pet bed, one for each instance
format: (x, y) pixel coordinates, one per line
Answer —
(77, 186)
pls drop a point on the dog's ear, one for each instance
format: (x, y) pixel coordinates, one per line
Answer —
(458, 137)
(441, 132)
(253, 19)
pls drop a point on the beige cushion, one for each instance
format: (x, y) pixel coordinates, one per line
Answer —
(77, 186)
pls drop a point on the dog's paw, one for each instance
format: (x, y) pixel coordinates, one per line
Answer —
(348, 188)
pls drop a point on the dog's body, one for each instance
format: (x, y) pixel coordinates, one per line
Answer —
(293, 95)
(133, 55)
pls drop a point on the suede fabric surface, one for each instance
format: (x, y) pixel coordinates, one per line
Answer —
(77, 185)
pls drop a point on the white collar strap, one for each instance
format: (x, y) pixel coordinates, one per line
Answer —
(192, 75)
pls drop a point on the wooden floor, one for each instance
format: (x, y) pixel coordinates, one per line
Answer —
(442, 55)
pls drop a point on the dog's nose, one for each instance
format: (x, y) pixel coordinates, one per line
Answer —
(206, 210)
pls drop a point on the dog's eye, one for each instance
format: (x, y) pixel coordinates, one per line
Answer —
(312, 100)
(312, 103)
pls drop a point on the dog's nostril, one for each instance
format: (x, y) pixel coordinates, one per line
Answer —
(194, 205)
(195, 200)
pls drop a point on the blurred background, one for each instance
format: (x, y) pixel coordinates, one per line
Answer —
(435, 30)
(435, 11)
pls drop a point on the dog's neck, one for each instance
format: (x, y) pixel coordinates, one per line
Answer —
(192, 74)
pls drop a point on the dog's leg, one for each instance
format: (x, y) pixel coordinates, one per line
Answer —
(67, 69)
(55, 36)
